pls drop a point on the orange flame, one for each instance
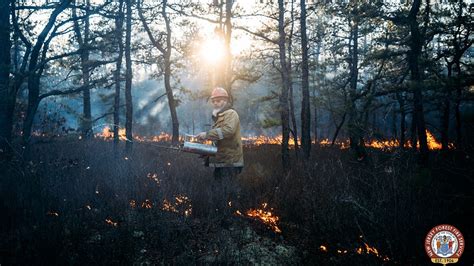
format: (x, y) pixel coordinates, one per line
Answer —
(181, 204)
(360, 250)
(108, 134)
(168, 206)
(266, 217)
(433, 144)
(253, 141)
(109, 221)
(147, 204)
(154, 177)
(372, 250)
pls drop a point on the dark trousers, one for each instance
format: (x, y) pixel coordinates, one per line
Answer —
(226, 190)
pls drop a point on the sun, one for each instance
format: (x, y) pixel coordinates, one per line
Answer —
(212, 50)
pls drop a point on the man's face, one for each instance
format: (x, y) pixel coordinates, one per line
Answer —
(219, 102)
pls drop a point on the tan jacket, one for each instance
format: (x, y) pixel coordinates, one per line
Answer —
(226, 132)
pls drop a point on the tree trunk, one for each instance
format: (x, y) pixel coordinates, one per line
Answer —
(446, 108)
(284, 112)
(228, 55)
(316, 83)
(118, 66)
(294, 129)
(338, 128)
(457, 106)
(5, 93)
(128, 79)
(166, 52)
(86, 94)
(87, 127)
(416, 44)
(461, 46)
(401, 103)
(33, 103)
(315, 126)
(414, 138)
(354, 125)
(305, 109)
(394, 125)
(169, 91)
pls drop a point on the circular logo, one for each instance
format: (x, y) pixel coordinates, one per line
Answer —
(444, 244)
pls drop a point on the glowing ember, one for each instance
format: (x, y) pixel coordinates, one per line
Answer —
(52, 213)
(266, 217)
(372, 250)
(366, 249)
(181, 205)
(154, 177)
(133, 204)
(112, 223)
(167, 206)
(147, 204)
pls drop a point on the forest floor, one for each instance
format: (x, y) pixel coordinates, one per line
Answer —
(86, 202)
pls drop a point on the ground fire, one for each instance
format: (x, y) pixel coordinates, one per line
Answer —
(365, 249)
(265, 215)
(254, 141)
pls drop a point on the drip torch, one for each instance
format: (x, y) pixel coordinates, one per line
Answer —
(191, 146)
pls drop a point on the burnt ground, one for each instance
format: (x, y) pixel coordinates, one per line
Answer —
(86, 202)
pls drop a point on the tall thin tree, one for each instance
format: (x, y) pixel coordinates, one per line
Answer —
(227, 42)
(165, 49)
(83, 41)
(5, 92)
(119, 18)
(305, 108)
(284, 111)
(128, 78)
(416, 43)
(294, 128)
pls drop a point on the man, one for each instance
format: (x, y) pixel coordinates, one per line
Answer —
(229, 160)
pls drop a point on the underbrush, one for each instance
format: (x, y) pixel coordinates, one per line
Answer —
(87, 202)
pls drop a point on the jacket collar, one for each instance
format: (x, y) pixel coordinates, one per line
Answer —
(228, 106)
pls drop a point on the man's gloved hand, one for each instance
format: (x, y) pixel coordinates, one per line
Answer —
(201, 136)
